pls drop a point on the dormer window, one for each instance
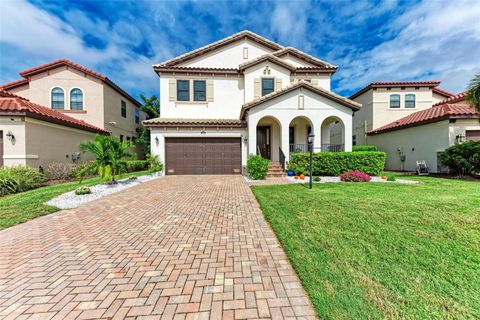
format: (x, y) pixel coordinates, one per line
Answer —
(58, 98)
(268, 86)
(409, 101)
(395, 101)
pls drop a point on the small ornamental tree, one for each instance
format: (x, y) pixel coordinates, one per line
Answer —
(463, 158)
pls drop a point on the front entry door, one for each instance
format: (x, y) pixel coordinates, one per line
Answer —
(263, 142)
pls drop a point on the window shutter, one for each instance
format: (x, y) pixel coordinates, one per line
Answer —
(278, 84)
(256, 88)
(172, 90)
(315, 82)
(209, 90)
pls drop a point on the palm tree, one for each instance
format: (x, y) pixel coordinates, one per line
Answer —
(109, 153)
(151, 106)
(473, 93)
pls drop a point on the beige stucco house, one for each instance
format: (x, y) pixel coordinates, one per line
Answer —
(245, 95)
(425, 134)
(34, 135)
(82, 94)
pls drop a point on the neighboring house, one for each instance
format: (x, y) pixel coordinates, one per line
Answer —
(384, 102)
(83, 94)
(425, 134)
(245, 95)
(34, 135)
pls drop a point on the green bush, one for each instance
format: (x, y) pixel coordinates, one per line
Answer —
(391, 178)
(257, 167)
(336, 163)
(364, 148)
(154, 163)
(19, 179)
(463, 158)
(82, 190)
(136, 165)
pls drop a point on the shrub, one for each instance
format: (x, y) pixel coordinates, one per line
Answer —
(355, 176)
(316, 179)
(364, 148)
(257, 167)
(19, 179)
(154, 163)
(463, 158)
(82, 170)
(82, 190)
(57, 171)
(391, 178)
(132, 178)
(335, 163)
(136, 165)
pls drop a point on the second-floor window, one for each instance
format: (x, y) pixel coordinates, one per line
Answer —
(124, 109)
(137, 116)
(268, 86)
(409, 101)
(395, 101)
(199, 90)
(58, 98)
(183, 90)
(76, 99)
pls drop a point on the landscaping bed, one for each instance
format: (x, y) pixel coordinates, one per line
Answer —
(382, 250)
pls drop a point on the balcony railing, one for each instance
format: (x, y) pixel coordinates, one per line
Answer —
(326, 147)
(299, 148)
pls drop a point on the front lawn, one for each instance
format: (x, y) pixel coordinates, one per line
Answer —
(382, 251)
(20, 207)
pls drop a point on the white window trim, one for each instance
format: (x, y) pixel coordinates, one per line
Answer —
(390, 100)
(83, 99)
(405, 101)
(65, 98)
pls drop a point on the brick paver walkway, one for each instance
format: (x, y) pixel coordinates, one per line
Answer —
(173, 248)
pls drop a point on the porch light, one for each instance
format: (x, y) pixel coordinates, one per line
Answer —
(157, 141)
(458, 139)
(311, 136)
(10, 136)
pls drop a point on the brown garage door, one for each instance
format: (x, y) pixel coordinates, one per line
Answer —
(473, 135)
(203, 155)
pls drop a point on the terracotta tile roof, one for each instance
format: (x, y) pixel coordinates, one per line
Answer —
(221, 43)
(453, 99)
(328, 94)
(14, 84)
(267, 57)
(197, 69)
(11, 104)
(452, 108)
(393, 84)
(179, 122)
(442, 92)
(65, 62)
(304, 56)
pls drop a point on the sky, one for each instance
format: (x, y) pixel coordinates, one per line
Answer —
(369, 40)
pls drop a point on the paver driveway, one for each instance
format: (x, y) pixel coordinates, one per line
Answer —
(185, 247)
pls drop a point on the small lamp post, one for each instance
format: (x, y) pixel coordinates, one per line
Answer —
(311, 136)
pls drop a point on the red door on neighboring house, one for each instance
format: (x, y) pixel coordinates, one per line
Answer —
(1, 148)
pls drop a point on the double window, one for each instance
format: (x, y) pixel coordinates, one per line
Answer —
(268, 86)
(76, 99)
(395, 101)
(124, 109)
(199, 90)
(58, 98)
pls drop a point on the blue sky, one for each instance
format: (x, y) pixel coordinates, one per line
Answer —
(368, 40)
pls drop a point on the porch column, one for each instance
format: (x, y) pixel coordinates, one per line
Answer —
(347, 135)
(284, 140)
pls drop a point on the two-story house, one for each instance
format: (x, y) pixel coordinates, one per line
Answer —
(79, 93)
(412, 121)
(245, 95)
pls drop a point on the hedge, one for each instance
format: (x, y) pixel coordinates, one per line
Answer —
(136, 165)
(364, 148)
(257, 167)
(336, 163)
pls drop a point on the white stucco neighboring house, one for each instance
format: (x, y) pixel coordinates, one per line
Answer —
(245, 95)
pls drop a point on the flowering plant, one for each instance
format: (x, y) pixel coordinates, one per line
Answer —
(355, 176)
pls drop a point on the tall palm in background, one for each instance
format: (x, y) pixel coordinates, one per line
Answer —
(151, 106)
(109, 153)
(473, 93)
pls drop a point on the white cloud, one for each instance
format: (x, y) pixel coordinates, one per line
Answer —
(435, 40)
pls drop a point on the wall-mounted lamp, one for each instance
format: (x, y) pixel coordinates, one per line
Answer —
(460, 138)
(245, 139)
(157, 141)
(10, 136)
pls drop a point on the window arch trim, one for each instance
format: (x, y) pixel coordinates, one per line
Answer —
(55, 104)
(71, 101)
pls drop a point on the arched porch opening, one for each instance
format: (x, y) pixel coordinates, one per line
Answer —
(333, 135)
(269, 138)
(298, 130)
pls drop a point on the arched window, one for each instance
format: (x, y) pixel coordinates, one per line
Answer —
(410, 101)
(394, 101)
(76, 99)
(58, 98)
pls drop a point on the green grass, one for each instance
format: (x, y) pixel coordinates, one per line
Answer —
(382, 251)
(21, 207)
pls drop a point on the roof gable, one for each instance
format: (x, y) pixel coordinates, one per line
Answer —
(301, 84)
(304, 57)
(220, 44)
(267, 57)
(395, 84)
